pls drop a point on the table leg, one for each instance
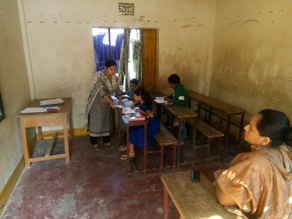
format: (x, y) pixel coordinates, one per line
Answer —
(165, 203)
(194, 141)
(24, 144)
(179, 141)
(145, 149)
(70, 124)
(128, 151)
(40, 134)
(66, 141)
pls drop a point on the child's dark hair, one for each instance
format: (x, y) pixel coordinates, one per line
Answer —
(174, 79)
(110, 62)
(145, 95)
(275, 125)
(134, 81)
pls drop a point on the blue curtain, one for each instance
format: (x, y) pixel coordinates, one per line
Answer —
(101, 51)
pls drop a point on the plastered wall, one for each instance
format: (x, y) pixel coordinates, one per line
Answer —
(60, 44)
(14, 88)
(252, 55)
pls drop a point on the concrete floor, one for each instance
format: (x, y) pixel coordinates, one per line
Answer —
(93, 185)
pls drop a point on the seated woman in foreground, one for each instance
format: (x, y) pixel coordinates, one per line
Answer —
(258, 184)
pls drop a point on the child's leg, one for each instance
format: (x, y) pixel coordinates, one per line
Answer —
(132, 150)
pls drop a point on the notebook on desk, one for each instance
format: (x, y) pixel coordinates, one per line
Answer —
(51, 102)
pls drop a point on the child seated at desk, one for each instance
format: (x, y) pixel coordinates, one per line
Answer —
(136, 133)
(133, 86)
(179, 96)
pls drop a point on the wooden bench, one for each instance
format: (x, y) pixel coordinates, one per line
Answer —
(210, 133)
(164, 138)
(235, 120)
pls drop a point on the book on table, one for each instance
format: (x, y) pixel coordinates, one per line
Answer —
(51, 102)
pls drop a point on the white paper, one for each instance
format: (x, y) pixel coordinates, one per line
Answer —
(114, 98)
(129, 110)
(34, 110)
(119, 106)
(51, 102)
(160, 101)
(125, 95)
(159, 98)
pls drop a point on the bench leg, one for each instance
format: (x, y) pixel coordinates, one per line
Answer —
(208, 149)
(174, 156)
(161, 158)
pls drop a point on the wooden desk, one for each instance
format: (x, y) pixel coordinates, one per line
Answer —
(221, 106)
(128, 125)
(192, 199)
(180, 112)
(46, 119)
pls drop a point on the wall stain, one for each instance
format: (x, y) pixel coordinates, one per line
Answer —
(186, 26)
(251, 20)
(232, 23)
(270, 12)
(199, 25)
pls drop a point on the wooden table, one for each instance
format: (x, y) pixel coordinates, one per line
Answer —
(38, 120)
(180, 112)
(192, 199)
(221, 106)
(131, 124)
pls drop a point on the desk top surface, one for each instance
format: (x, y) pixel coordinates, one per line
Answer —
(194, 199)
(64, 108)
(133, 123)
(215, 103)
(179, 111)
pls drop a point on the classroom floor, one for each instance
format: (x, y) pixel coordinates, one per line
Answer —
(94, 184)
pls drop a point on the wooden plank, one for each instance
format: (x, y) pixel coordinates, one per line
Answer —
(206, 129)
(164, 137)
(50, 148)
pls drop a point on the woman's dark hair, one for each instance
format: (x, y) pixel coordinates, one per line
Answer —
(110, 62)
(145, 95)
(275, 125)
(174, 79)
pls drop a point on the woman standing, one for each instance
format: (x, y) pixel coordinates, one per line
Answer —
(258, 184)
(99, 106)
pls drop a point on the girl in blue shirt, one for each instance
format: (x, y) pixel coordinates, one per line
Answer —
(136, 133)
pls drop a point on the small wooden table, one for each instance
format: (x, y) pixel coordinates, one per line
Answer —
(62, 117)
(192, 199)
(131, 124)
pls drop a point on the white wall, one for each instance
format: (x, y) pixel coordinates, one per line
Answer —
(252, 54)
(14, 88)
(61, 46)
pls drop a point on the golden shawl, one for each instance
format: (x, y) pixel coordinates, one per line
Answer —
(260, 182)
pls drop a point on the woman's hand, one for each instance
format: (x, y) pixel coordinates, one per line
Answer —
(167, 99)
(138, 110)
(112, 104)
(120, 100)
(133, 106)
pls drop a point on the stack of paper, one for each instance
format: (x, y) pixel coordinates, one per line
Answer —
(34, 110)
(160, 100)
(51, 102)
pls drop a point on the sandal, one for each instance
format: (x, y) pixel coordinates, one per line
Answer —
(95, 147)
(124, 156)
(122, 148)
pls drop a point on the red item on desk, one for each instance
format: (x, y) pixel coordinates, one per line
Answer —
(140, 118)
